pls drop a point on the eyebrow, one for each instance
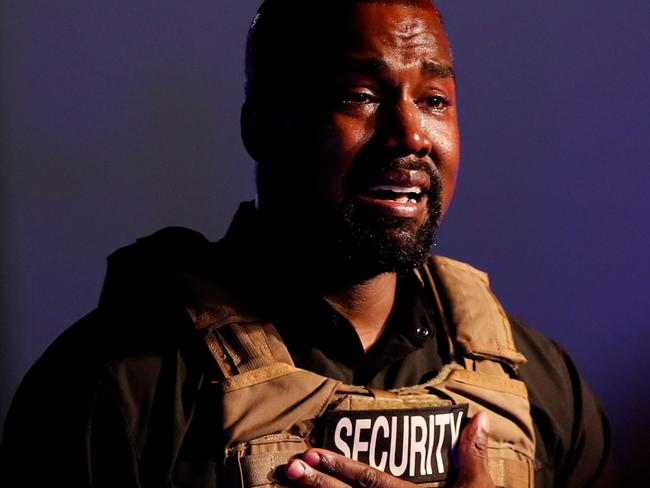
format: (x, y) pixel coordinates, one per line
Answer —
(439, 70)
(370, 66)
(375, 66)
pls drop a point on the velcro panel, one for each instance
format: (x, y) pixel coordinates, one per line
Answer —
(261, 469)
(246, 345)
(507, 473)
(255, 377)
(502, 384)
(239, 348)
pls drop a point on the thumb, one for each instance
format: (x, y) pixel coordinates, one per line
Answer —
(472, 458)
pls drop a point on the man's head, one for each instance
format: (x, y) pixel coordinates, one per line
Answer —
(351, 117)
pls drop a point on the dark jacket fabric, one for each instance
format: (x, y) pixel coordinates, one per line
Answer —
(126, 397)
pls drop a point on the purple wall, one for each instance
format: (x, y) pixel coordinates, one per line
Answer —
(121, 117)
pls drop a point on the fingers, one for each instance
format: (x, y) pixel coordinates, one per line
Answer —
(320, 468)
(472, 457)
(302, 474)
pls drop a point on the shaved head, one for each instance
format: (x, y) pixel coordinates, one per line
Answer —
(425, 4)
(280, 28)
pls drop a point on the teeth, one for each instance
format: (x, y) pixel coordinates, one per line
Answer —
(397, 189)
(405, 199)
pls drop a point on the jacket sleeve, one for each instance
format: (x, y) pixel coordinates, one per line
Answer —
(44, 442)
(112, 454)
(589, 459)
(46, 430)
(573, 442)
(66, 426)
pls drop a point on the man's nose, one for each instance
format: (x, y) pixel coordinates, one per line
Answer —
(402, 130)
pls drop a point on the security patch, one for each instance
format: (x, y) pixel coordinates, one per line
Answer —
(412, 444)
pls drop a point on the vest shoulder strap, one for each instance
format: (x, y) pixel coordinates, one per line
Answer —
(475, 318)
(237, 338)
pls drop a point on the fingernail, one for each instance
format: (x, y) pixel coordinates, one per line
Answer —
(311, 458)
(483, 423)
(295, 469)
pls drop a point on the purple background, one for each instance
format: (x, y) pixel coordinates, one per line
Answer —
(121, 117)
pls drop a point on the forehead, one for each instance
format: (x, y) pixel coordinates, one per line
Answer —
(407, 33)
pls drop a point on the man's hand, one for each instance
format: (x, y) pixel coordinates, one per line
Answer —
(319, 468)
(471, 454)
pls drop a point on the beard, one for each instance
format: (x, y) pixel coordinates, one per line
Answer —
(350, 242)
(371, 245)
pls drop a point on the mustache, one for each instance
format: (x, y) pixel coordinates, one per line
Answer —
(377, 165)
(406, 163)
(366, 171)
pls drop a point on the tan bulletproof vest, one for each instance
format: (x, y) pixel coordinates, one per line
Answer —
(270, 407)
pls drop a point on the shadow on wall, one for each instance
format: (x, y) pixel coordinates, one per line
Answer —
(118, 121)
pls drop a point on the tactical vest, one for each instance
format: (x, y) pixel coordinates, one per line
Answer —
(270, 407)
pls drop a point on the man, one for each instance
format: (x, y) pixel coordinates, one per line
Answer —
(350, 114)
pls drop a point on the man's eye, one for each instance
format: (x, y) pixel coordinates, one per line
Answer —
(358, 98)
(437, 103)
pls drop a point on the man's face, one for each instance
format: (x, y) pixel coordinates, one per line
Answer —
(367, 153)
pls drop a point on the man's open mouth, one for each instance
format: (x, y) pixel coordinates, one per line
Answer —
(395, 193)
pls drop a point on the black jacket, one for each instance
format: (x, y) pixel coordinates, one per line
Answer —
(124, 398)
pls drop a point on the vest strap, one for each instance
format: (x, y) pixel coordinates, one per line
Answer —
(480, 325)
(510, 472)
(260, 469)
(240, 348)
(501, 384)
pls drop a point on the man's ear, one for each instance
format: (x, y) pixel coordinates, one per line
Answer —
(253, 131)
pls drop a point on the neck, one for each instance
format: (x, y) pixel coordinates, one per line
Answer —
(365, 298)
(367, 305)
(365, 301)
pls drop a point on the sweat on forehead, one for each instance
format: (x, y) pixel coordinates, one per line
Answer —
(283, 30)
